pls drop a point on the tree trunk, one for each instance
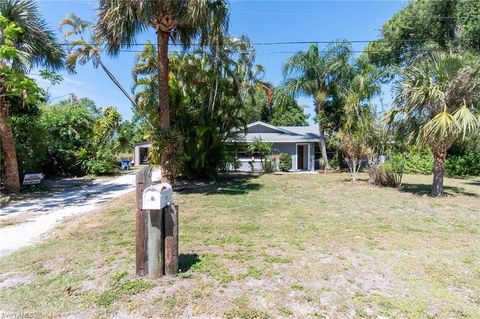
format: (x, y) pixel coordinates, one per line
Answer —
(163, 98)
(440, 154)
(352, 166)
(323, 147)
(12, 184)
(162, 65)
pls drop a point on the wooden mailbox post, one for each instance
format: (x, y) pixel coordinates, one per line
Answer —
(156, 228)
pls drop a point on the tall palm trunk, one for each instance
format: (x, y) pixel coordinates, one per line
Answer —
(8, 146)
(162, 65)
(321, 133)
(440, 154)
(163, 98)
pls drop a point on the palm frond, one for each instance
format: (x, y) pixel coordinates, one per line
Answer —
(38, 44)
(465, 120)
(440, 127)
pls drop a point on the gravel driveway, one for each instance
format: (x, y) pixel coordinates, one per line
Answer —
(42, 214)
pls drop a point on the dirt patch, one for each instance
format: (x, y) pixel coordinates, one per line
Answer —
(11, 280)
(270, 246)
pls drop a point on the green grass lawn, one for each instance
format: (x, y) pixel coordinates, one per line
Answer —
(268, 246)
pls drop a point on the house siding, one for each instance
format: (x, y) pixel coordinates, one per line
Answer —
(290, 148)
(284, 139)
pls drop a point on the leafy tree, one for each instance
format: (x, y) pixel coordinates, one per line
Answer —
(356, 96)
(30, 142)
(25, 42)
(427, 25)
(79, 138)
(437, 98)
(129, 133)
(361, 137)
(286, 111)
(99, 157)
(69, 126)
(119, 22)
(258, 107)
(313, 73)
(354, 145)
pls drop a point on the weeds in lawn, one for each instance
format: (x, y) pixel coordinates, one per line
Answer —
(119, 287)
(277, 259)
(210, 266)
(242, 310)
(269, 246)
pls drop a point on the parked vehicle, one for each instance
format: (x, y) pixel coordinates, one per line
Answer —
(124, 165)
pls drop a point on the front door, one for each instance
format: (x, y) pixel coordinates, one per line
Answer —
(300, 149)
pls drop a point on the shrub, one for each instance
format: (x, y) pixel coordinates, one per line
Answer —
(456, 165)
(230, 162)
(419, 163)
(334, 163)
(102, 164)
(385, 176)
(268, 164)
(390, 173)
(31, 143)
(285, 162)
(465, 165)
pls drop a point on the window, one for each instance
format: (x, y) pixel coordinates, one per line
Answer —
(241, 152)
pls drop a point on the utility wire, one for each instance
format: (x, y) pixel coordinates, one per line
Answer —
(292, 52)
(278, 43)
(58, 97)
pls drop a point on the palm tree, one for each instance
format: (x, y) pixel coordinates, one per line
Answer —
(82, 51)
(120, 21)
(358, 118)
(356, 93)
(264, 149)
(438, 104)
(208, 91)
(35, 46)
(313, 73)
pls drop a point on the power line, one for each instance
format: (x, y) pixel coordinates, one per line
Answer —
(288, 52)
(278, 42)
(60, 96)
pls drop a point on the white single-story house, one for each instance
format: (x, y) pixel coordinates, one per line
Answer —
(301, 142)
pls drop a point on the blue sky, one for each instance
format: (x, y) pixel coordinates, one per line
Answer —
(262, 21)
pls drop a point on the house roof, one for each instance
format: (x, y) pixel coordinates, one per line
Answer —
(144, 143)
(279, 134)
(271, 133)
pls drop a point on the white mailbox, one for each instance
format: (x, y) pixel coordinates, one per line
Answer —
(157, 196)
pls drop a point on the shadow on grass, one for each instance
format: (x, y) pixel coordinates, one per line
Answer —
(186, 261)
(225, 184)
(426, 189)
(359, 179)
(474, 182)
